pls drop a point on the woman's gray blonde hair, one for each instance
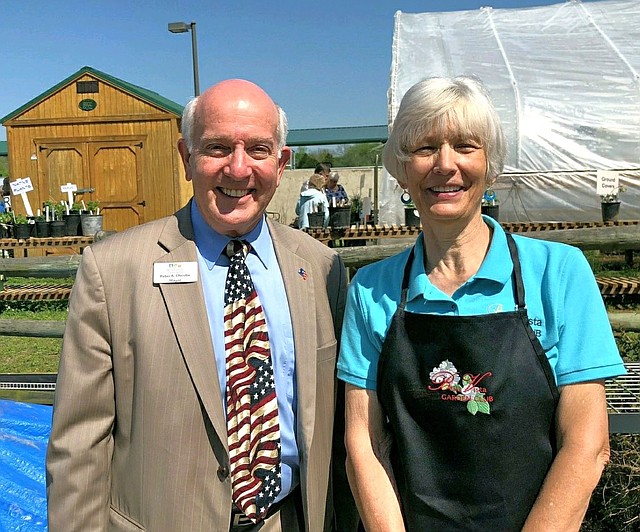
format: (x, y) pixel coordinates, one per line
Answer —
(436, 106)
(188, 120)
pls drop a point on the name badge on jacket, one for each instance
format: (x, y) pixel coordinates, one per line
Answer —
(175, 272)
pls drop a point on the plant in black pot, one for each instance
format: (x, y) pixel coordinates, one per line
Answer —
(57, 226)
(610, 204)
(490, 205)
(42, 226)
(21, 227)
(72, 219)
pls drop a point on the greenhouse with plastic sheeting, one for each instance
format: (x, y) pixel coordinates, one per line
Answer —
(564, 79)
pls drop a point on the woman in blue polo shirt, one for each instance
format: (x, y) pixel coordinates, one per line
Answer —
(475, 361)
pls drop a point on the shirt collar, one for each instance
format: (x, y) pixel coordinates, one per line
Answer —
(419, 284)
(211, 244)
(497, 265)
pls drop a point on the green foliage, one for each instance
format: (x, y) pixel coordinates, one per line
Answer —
(359, 155)
(366, 154)
(20, 219)
(305, 159)
(629, 345)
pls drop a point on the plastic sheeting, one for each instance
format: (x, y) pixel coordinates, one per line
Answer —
(564, 79)
(24, 432)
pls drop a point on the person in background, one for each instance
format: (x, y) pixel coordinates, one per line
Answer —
(474, 361)
(148, 426)
(336, 194)
(322, 169)
(312, 200)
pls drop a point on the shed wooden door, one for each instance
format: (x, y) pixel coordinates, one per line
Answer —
(61, 163)
(114, 168)
(116, 174)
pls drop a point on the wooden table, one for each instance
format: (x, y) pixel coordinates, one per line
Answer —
(47, 245)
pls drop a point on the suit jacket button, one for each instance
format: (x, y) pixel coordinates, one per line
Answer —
(223, 473)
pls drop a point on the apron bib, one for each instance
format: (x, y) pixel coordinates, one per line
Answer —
(470, 403)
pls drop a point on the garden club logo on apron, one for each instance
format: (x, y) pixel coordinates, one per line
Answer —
(446, 378)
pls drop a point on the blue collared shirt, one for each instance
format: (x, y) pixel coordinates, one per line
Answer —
(267, 279)
(564, 307)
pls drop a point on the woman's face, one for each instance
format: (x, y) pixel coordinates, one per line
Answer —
(446, 177)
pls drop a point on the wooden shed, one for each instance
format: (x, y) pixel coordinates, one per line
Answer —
(113, 139)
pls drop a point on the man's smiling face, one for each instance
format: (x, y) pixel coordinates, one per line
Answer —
(235, 164)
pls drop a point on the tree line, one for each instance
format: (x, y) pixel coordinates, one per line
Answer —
(344, 155)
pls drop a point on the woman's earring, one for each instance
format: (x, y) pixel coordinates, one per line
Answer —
(489, 195)
(406, 197)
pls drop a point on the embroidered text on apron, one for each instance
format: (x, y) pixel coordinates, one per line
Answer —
(470, 402)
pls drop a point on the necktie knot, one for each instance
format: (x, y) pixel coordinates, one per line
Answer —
(234, 247)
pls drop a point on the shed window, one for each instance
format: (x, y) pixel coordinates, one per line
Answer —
(85, 87)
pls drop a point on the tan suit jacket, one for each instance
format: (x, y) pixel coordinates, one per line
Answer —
(138, 440)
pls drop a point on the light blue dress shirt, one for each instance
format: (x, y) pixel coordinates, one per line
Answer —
(267, 279)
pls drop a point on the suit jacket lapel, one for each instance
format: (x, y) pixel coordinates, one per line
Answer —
(187, 311)
(300, 294)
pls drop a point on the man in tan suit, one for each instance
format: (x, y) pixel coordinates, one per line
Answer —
(139, 438)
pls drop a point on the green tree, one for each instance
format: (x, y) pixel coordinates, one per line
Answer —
(359, 154)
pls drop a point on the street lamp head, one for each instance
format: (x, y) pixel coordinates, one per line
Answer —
(183, 27)
(179, 27)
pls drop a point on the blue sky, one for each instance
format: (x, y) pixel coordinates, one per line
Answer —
(327, 63)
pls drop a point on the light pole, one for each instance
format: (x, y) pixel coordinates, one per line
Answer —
(183, 27)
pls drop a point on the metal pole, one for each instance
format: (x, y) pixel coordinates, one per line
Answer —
(194, 50)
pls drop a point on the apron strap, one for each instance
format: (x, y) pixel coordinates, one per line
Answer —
(405, 279)
(518, 285)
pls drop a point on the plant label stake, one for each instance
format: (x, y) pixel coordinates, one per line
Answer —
(69, 188)
(21, 187)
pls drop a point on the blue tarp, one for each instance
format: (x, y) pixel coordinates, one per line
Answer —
(24, 432)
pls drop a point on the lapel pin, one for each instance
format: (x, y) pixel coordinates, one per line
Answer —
(303, 274)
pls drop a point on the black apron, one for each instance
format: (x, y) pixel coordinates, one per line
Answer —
(470, 403)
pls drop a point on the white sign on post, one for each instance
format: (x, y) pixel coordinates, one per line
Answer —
(69, 188)
(21, 187)
(608, 182)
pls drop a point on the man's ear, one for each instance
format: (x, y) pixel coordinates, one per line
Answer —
(284, 155)
(185, 155)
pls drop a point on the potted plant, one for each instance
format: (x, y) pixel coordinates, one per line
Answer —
(91, 220)
(42, 226)
(610, 204)
(490, 205)
(72, 220)
(356, 208)
(6, 222)
(57, 225)
(21, 227)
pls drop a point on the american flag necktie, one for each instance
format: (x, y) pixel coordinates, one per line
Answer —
(252, 410)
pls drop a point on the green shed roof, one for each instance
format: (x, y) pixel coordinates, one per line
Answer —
(145, 94)
(3, 148)
(296, 137)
